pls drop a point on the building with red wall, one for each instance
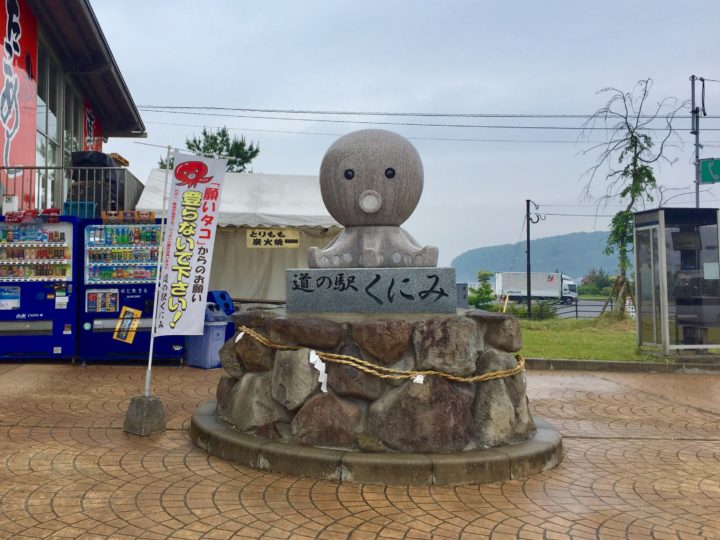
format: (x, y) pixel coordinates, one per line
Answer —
(60, 91)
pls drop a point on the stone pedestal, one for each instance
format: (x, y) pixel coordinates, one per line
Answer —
(372, 419)
(395, 415)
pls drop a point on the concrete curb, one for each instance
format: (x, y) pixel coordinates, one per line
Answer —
(624, 367)
(540, 453)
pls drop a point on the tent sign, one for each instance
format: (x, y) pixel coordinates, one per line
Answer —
(709, 171)
(273, 238)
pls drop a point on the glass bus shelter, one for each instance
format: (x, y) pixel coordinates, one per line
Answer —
(677, 285)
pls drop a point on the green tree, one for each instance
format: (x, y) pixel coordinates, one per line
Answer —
(483, 296)
(596, 282)
(627, 159)
(219, 144)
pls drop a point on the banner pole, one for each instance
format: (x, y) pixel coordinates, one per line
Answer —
(163, 221)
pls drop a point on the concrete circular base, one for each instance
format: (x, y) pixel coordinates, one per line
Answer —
(541, 452)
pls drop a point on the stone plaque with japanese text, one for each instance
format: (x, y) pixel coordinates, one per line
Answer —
(371, 290)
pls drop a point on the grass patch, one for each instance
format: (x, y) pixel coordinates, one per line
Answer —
(605, 338)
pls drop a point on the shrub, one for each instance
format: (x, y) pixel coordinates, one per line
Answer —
(541, 310)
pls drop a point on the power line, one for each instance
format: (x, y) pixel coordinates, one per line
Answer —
(581, 215)
(289, 132)
(328, 134)
(417, 124)
(387, 113)
(543, 205)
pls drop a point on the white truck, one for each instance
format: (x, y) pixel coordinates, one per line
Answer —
(543, 286)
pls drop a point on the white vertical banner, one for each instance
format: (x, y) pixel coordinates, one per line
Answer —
(192, 214)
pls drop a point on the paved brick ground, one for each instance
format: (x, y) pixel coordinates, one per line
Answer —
(642, 461)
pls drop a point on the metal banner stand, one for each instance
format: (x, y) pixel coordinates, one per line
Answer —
(145, 414)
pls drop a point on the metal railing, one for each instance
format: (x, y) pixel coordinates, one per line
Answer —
(580, 309)
(549, 309)
(80, 191)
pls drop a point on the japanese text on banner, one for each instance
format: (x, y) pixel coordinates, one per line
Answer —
(193, 207)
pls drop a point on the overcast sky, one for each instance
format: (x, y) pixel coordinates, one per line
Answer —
(520, 57)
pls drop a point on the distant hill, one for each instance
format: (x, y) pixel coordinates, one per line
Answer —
(573, 254)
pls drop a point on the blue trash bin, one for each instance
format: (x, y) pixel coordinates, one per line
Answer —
(223, 300)
(204, 351)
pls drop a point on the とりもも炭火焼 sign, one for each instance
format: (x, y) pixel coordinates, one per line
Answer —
(273, 238)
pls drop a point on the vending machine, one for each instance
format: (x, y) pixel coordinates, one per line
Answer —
(118, 293)
(38, 290)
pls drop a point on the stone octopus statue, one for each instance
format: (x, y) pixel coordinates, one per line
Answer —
(371, 181)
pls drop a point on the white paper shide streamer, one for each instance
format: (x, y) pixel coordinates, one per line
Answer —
(320, 366)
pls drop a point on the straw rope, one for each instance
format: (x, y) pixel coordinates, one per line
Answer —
(386, 372)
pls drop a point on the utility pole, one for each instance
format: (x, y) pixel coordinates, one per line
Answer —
(695, 130)
(528, 221)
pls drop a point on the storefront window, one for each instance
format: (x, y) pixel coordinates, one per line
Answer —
(41, 172)
(49, 99)
(42, 91)
(73, 127)
(79, 123)
(68, 126)
(54, 84)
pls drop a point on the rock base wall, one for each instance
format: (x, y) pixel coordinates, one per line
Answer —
(541, 452)
(275, 394)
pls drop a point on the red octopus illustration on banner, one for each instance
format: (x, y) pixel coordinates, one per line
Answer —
(192, 173)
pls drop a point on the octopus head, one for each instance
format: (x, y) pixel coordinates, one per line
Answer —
(371, 177)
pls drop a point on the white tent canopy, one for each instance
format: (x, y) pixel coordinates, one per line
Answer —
(248, 201)
(256, 200)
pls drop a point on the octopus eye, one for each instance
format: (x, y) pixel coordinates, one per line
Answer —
(389, 172)
(349, 174)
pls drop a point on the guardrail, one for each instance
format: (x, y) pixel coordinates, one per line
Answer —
(584, 309)
(581, 310)
(80, 191)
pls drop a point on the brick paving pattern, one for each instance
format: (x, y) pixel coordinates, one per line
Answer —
(642, 460)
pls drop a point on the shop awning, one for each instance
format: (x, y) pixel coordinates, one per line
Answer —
(77, 39)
